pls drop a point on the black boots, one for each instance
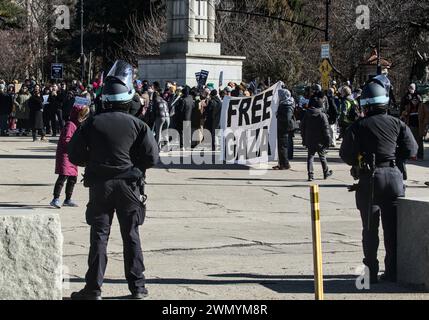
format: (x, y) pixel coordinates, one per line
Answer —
(86, 295)
(327, 174)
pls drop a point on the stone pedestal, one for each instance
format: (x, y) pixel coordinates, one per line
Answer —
(190, 47)
(30, 255)
(413, 242)
(183, 67)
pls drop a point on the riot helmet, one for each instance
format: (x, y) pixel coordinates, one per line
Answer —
(118, 86)
(375, 93)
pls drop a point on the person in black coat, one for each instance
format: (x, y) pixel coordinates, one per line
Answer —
(285, 127)
(35, 104)
(215, 109)
(55, 110)
(6, 106)
(185, 116)
(315, 137)
(68, 104)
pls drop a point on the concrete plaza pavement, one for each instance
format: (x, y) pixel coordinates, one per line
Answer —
(216, 232)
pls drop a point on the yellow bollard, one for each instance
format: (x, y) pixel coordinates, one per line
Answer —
(317, 242)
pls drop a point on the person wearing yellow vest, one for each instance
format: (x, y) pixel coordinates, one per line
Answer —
(350, 110)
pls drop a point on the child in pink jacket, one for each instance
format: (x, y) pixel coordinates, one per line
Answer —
(63, 167)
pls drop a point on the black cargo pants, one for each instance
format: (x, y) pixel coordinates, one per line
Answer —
(388, 186)
(104, 199)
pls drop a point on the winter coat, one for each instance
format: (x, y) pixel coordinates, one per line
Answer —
(136, 106)
(332, 110)
(55, 103)
(187, 106)
(285, 116)
(22, 110)
(108, 153)
(63, 166)
(68, 104)
(6, 104)
(35, 104)
(315, 130)
(423, 119)
(197, 113)
(216, 110)
(319, 101)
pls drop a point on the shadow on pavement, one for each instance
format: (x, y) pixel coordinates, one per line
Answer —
(294, 284)
(14, 205)
(249, 185)
(26, 156)
(26, 184)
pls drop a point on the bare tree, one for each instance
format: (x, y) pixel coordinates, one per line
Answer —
(13, 54)
(145, 36)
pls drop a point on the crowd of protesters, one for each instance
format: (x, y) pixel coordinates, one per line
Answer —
(322, 117)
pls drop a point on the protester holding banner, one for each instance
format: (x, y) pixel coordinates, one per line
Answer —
(285, 127)
(316, 138)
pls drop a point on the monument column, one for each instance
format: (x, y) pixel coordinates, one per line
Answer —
(190, 8)
(170, 9)
(191, 47)
(211, 22)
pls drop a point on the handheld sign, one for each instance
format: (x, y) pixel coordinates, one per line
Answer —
(204, 75)
(79, 101)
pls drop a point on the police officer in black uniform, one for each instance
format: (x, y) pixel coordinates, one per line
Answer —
(373, 146)
(116, 148)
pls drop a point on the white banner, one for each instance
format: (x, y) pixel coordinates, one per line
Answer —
(249, 128)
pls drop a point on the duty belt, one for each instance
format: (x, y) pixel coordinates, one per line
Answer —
(387, 164)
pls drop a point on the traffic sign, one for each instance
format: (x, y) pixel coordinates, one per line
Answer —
(325, 81)
(325, 50)
(325, 67)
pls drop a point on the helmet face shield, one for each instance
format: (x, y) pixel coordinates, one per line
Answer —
(124, 72)
(118, 85)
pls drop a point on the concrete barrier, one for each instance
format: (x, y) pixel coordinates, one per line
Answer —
(30, 255)
(413, 242)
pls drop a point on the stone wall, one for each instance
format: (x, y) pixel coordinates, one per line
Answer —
(30, 255)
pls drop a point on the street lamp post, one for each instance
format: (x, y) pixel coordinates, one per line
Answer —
(328, 3)
(82, 54)
(379, 42)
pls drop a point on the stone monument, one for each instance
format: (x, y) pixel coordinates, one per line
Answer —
(190, 48)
